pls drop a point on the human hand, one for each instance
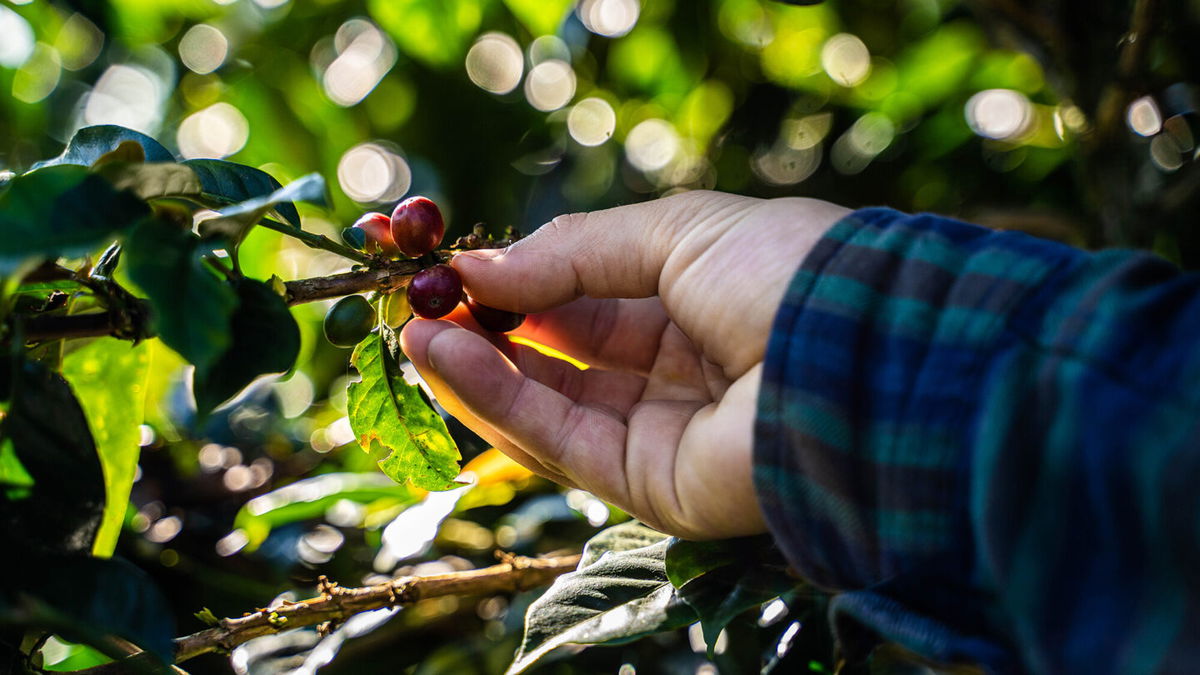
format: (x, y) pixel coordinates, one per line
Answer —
(671, 302)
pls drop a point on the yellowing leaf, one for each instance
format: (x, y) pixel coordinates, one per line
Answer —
(386, 411)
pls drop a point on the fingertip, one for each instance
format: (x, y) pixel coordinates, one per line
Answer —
(416, 336)
(469, 264)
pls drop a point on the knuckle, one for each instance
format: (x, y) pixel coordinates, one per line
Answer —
(566, 224)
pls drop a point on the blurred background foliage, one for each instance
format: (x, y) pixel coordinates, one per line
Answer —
(1072, 120)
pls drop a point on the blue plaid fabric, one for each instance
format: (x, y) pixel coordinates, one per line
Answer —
(989, 445)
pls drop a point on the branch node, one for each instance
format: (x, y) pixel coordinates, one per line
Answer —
(328, 588)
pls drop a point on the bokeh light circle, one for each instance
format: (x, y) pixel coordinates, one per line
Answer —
(591, 121)
(1143, 117)
(127, 95)
(203, 48)
(364, 55)
(547, 47)
(18, 40)
(846, 59)
(214, 132)
(370, 172)
(1002, 114)
(495, 63)
(610, 18)
(550, 85)
(652, 144)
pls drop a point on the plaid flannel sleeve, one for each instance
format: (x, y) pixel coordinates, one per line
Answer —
(989, 445)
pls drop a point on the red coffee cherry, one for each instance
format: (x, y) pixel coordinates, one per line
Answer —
(377, 227)
(495, 320)
(417, 226)
(435, 291)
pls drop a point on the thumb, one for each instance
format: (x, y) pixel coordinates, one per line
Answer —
(616, 253)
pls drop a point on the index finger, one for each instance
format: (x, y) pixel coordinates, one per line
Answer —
(616, 253)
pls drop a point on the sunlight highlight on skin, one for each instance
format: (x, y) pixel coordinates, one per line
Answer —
(548, 351)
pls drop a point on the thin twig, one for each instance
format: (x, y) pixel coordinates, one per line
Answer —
(386, 278)
(318, 241)
(337, 604)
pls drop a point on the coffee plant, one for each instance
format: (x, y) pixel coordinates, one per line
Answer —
(100, 257)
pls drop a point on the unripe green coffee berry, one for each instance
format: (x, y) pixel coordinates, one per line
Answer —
(349, 321)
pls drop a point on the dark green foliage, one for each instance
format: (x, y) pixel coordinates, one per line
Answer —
(87, 600)
(265, 339)
(191, 306)
(91, 143)
(722, 580)
(227, 183)
(45, 430)
(236, 220)
(60, 211)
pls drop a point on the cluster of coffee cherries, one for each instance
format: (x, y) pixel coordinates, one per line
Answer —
(414, 229)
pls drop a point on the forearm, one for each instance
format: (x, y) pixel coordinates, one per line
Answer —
(928, 421)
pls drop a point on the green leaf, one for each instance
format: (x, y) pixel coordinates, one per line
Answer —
(206, 616)
(266, 339)
(687, 560)
(45, 429)
(311, 498)
(109, 377)
(88, 600)
(91, 143)
(623, 537)
(723, 579)
(385, 410)
(541, 17)
(226, 183)
(235, 221)
(62, 656)
(621, 596)
(191, 307)
(61, 211)
(157, 180)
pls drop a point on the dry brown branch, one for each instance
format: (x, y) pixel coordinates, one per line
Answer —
(387, 278)
(336, 604)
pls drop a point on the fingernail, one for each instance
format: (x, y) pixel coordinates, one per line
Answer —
(435, 347)
(484, 254)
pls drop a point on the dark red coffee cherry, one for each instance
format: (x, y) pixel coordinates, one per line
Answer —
(417, 226)
(377, 228)
(435, 291)
(495, 320)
